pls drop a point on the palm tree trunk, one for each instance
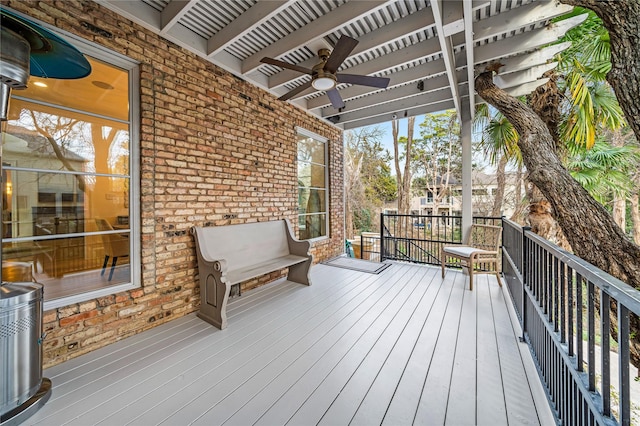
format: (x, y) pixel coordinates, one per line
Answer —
(635, 214)
(498, 199)
(620, 211)
(519, 201)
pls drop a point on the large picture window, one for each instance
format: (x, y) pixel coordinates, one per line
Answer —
(66, 165)
(312, 186)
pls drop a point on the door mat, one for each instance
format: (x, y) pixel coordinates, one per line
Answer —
(357, 264)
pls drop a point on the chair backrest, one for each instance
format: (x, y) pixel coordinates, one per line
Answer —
(485, 237)
(103, 225)
(115, 245)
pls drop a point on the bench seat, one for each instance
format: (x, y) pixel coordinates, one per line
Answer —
(480, 249)
(231, 254)
(263, 268)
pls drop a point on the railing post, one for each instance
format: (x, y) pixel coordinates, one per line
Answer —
(381, 236)
(524, 267)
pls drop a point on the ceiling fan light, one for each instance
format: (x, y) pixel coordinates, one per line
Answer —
(323, 83)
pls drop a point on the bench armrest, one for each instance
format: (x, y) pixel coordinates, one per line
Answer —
(297, 247)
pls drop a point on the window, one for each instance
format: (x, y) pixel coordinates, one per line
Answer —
(67, 181)
(312, 186)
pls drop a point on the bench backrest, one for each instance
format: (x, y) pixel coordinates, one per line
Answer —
(485, 237)
(245, 244)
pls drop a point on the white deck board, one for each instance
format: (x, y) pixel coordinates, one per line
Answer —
(461, 405)
(490, 402)
(401, 347)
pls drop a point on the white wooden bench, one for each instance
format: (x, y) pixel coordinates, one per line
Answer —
(231, 254)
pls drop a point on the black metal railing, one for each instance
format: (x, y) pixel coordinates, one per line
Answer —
(567, 308)
(418, 238)
(370, 246)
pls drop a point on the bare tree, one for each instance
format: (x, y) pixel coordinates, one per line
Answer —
(403, 176)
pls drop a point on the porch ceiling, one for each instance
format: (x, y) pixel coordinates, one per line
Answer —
(422, 46)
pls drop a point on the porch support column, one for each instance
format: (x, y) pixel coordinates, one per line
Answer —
(467, 205)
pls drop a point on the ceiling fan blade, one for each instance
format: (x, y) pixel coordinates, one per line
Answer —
(363, 80)
(287, 65)
(342, 50)
(295, 91)
(335, 98)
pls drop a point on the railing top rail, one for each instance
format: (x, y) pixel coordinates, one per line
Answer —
(512, 223)
(621, 291)
(439, 216)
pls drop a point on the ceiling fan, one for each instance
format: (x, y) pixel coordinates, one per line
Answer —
(324, 76)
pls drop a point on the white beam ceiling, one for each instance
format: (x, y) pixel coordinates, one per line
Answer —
(423, 46)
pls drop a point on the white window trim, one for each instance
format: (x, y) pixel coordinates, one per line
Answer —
(309, 134)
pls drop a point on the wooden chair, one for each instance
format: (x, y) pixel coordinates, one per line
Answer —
(115, 246)
(479, 253)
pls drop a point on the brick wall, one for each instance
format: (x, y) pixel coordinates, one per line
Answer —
(214, 150)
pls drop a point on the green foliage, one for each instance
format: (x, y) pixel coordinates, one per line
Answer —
(604, 170)
(365, 147)
(499, 137)
(362, 220)
(591, 102)
(384, 187)
(368, 180)
(437, 153)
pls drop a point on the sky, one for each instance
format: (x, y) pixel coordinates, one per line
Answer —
(387, 139)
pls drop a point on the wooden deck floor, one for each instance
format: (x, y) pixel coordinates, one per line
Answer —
(402, 347)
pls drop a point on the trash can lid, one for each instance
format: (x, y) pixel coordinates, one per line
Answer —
(12, 294)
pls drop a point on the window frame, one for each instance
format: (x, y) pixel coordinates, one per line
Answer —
(300, 131)
(132, 68)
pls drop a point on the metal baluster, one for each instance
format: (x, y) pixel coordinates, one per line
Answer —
(591, 330)
(605, 323)
(570, 336)
(579, 330)
(623, 351)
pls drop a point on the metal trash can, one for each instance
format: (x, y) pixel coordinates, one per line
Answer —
(23, 388)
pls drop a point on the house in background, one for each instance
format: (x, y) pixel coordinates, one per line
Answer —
(483, 192)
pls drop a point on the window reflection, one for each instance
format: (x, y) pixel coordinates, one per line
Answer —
(312, 188)
(65, 170)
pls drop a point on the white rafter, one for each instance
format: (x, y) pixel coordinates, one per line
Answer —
(468, 40)
(531, 14)
(446, 47)
(172, 14)
(260, 12)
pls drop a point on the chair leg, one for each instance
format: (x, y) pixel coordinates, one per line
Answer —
(113, 266)
(470, 268)
(498, 278)
(104, 265)
(443, 260)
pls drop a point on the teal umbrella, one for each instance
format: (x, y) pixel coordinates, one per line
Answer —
(51, 56)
